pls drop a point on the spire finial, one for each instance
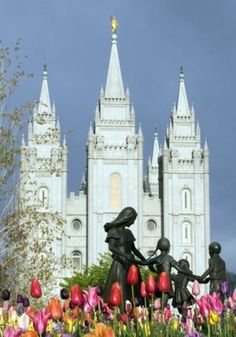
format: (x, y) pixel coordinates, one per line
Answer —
(45, 72)
(181, 73)
(114, 26)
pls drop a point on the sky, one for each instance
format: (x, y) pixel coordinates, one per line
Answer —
(155, 38)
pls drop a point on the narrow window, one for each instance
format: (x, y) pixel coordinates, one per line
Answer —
(186, 232)
(186, 200)
(43, 197)
(76, 260)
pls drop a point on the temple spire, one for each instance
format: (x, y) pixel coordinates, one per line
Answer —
(156, 149)
(44, 106)
(114, 83)
(182, 100)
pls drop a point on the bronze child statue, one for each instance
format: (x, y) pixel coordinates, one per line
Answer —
(216, 270)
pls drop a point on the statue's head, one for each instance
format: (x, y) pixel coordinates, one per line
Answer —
(163, 244)
(214, 248)
(125, 218)
(183, 264)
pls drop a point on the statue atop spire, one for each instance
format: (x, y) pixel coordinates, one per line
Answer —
(114, 24)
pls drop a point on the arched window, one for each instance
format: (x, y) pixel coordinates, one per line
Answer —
(115, 190)
(186, 232)
(151, 225)
(76, 224)
(76, 260)
(43, 197)
(186, 200)
(187, 256)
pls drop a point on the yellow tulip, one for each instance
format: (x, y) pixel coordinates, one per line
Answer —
(175, 324)
(213, 318)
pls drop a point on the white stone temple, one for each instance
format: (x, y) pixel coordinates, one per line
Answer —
(171, 198)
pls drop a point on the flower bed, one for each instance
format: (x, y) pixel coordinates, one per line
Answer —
(78, 313)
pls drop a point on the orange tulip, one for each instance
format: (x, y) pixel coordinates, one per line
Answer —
(30, 333)
(163, 282)
(116, 294)
(133, 275)
(55, 308)
(35, 290)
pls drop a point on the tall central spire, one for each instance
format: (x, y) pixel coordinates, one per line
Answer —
(114, 84)
(44, 106)
(182, 102)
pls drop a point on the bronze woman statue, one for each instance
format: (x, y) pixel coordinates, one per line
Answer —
(121, 243)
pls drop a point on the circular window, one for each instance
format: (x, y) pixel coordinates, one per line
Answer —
(151, 225)
(77, 224)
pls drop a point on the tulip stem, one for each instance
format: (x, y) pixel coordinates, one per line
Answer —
(133, 299)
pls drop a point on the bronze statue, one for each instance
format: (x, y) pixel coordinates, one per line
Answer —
(182, 297)
(216, 270)
(121, 243)
(163, 263)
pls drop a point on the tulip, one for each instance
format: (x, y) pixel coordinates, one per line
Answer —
(150, 285)
(30, 333)
(35, 290)
(40, 321)
(26, 302)
(157, 304)
(163, 282)
(213, 318)
(234, 295)
(224, 287)
(11, 332)
(23, 321)
(55, 308)
(6, 295)
(19, 298)
(76, 295)
(116, 294)
(230, 303)
(216, 303)
(143, 291)
(64, 294)
(90, 299)
(133, 275)
(196, 288)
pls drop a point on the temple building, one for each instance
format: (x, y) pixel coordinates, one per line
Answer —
(171, 198)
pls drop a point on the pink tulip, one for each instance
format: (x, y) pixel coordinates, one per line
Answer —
(11, 332)
(167, 313)
(234, 295)
(216, 303)
(196, 288)
(203, 307)
(40, 321)
(90, 299)
(230, 303)
(157, 304)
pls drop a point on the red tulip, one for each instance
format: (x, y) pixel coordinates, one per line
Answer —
(35, 290)
(133, 275)
(76, 295)
(163, 282)
(116, 294)
(55, 308)
(143, 291)
(150, 285)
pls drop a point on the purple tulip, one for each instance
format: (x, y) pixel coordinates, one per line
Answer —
(224, 287)
(26, 302)
(91, 299)
(6, 295)
(19, 298)
(64, 294)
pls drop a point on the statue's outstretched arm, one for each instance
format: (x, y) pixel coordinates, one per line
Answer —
(138, 253)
